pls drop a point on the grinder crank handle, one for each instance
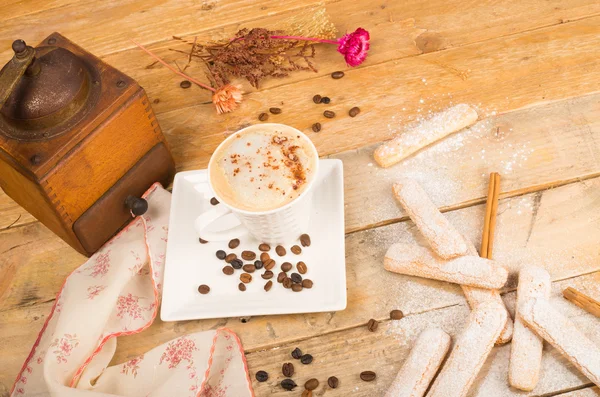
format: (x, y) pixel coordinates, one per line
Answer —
(16, 67)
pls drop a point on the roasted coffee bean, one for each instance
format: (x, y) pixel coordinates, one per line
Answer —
(333, 382)
(204, 289)
(307, 393)
(246, 319)
(185, 84)
(305, 240)
(248, 255)
(311, 384)
(354, 111)
(267, 275)
(296, 249)
(234, 243)
(264, 247)
(242, 287)
(396, 314)
(258, 264)
(221, 254)
(287, 282)
(306, 283)
(296, 278)
(230, 257)
(316, 127)
(275, 110)
(228, 270)
(268, 285)
(288, 384)
(262, 376)
(286, 266)
(280, 250)
(263, 116)
(368, 376)
(372, 325)
(245, 278)
(325, 100)
(281, 276)
(236, 263)
(214, 201)
(317, 98)
(249, 268)
(301, 266)
(306, 359)
(264, 257)
(337, 75)
(296, 287)
(288, 370)
(202, 241)
(269, 264)
(297, 353)
(329, 114)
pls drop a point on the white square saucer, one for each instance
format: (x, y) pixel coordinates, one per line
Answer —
(189, 264)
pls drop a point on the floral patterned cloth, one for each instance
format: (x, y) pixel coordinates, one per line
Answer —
(116, 292)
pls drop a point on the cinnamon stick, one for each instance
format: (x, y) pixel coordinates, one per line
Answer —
(491, 210)
(583, 301)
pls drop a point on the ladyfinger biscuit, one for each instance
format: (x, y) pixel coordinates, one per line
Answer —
(526, 349)
(420, 367)
(429, 131)
(470, 351)
(443, 238)
(469, 270)
(561, 333)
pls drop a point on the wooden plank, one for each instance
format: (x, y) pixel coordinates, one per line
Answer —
(568, 214)
(587, 392)
(11, 9)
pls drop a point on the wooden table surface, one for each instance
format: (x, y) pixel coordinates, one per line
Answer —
(533, 69)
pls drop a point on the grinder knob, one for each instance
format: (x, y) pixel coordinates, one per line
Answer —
(137, 206)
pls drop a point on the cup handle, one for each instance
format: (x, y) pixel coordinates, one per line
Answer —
(207, 218)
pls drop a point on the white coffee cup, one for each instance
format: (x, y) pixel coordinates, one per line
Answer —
(277, 226)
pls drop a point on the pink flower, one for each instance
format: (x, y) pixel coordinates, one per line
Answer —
(226, 98)
(354, 46)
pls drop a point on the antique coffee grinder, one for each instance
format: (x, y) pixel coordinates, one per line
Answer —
(79, 142)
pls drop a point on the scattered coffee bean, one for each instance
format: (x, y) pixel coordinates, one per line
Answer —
(269, 264)
(258, 264)
(248, 255)
(333, 382)
(307, 393)
(354, 111)
(287, 283)
(296, 278)
(264, 257)
(288, 384)
(337, 75)
(396, 314)
(214, 201)
(267, 275)
(185, 84)
(245, 278)
(246, 319)
(263, 116)
(264, 247)
(288, 370)
(230, 257)
(228, 270)
(286, 266)
(372, 325)
(317, 98)
(202, 241)
(368, 376)
(297, 353)
(296, 287)
(281, 276)
(306, 283)
(325, 100)
(311, 384)
(249, 268)
(280, 250)
(301, 266)
(316, 127)
(204, 289)
(262, 376)
(221, 254)
(296, 249)
(234, 243)
(268, 285)
(329, 114)
(242, 287)
(306, 359)
(305, 240)
(275, 110)
(236, 263)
